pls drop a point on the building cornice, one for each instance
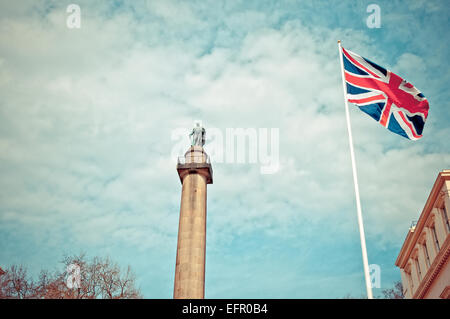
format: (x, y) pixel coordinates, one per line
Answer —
(413, 235)
(445, 293)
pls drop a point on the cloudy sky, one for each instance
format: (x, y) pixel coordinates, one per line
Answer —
(87, 118)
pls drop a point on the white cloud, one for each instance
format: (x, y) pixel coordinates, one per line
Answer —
(86, 120)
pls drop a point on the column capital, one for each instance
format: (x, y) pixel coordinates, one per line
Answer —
(195, 160)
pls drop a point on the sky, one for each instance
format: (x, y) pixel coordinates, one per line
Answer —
(87, 122)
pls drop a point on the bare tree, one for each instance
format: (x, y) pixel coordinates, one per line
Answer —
(103, 278)
(3, 283)
(99, 278)
(394, 293)
(15, 284)
(391, 293)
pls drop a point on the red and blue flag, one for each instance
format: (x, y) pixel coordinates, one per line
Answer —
(393, 102)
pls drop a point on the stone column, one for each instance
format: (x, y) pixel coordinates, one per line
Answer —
(447, 202)
(406, 284)
(422, 259)
(439, 226)
(430, 244)
(415, 276)
(195, 173)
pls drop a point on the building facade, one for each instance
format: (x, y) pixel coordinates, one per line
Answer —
(423, 258)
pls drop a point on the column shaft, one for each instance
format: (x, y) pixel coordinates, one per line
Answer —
(190, 262)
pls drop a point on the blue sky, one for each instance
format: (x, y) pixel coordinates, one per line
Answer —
(86, 117)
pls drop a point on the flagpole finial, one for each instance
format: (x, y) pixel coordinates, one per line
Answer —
(339, 41)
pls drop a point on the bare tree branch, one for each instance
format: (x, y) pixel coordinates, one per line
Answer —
(99, 278)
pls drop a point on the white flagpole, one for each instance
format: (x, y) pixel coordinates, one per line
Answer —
(355, 181)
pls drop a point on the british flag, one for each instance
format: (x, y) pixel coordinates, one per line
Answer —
(393, 102)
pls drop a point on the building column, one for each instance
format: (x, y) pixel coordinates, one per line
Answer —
(430, 244)
(414, 276)
(441, 232)
(406, 284)
(446, 205)
(195, 173)
(422, 260)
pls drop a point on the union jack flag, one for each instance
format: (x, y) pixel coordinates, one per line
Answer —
(393, 102)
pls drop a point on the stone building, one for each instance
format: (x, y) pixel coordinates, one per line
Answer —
(423, 258)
